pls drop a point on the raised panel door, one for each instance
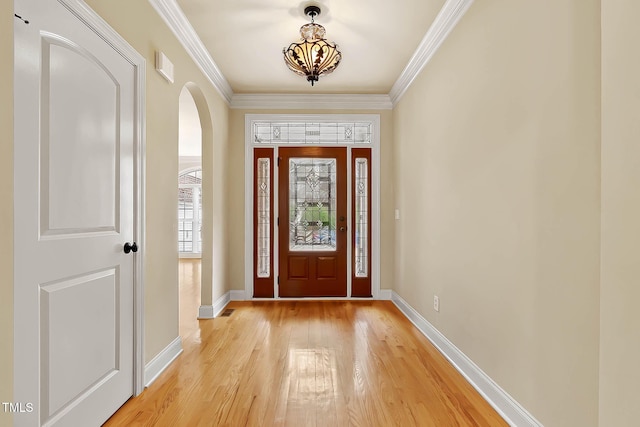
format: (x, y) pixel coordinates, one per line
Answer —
(74, 210)
(313, 221)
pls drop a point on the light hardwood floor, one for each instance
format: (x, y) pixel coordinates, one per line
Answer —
(292, 363)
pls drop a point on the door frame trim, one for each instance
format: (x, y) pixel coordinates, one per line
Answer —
(374, 119)
(95, 22)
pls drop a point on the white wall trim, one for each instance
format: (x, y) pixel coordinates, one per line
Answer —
(504, 404)
(205, 312)
(374, 119)
(312, 101)
(221, 303)
(158, 364)
(211, 311)
(176, 20)
(386, 294)
(444, 23)
(238, 295)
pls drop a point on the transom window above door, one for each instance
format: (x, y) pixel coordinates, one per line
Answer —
(312, 133)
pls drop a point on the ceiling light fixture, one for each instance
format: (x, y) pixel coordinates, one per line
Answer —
(314, 55)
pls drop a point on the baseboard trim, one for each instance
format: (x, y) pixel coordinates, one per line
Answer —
(221, 303)
(211, 311)
(158, 364)
(505, 405)
(205, 312)
(238, 295)
(385, 294)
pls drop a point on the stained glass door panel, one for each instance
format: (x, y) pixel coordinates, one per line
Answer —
(263, 223)
(313, 225)
(361, 220)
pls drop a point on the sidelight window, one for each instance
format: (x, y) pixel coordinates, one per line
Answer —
(263, 226)
(361, 197)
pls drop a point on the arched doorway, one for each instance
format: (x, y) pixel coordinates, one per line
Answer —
(195, 199)
(189, 177)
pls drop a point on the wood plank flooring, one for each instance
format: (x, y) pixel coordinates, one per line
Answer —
(304, 363)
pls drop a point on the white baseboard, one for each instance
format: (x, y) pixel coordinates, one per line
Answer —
(221, 303)
(205, 312)
(159, 363)
(211, 311)
(238, 295)
(505, 405)
(385, 294)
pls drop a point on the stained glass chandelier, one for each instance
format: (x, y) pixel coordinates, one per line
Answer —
(314, 56)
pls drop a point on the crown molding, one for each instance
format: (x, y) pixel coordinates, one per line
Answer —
(311, 102)
(175, 19)
(444, 23)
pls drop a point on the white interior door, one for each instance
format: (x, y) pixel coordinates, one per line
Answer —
(74, 211)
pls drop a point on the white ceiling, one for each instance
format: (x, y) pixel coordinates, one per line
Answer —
(245, 39)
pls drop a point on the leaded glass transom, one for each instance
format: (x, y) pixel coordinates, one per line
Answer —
(361, 214)
(264, 217)
(312, 204)
(312, 133)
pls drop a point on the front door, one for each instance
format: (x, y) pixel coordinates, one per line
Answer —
(74, 211)
(313, 221)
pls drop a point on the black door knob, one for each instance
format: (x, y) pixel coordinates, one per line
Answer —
(130, 248)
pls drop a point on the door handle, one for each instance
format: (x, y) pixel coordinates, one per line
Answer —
(130, 248)
(343, 228)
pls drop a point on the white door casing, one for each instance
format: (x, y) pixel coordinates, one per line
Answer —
(77, 200)
(283, 119)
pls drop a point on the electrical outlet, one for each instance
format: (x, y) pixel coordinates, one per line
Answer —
(397, 213)
(436, 303)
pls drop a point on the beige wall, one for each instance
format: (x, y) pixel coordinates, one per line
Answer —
(497, 177)
(236, 190)
(620, 276)
(142, 27)
(6, 209)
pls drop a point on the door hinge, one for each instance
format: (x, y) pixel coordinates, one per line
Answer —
(278, 222)
(278, 280)
(278, 163)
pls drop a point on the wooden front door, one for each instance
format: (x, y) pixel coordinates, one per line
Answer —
(313, 221)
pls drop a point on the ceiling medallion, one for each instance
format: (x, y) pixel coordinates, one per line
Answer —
(314, 55)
